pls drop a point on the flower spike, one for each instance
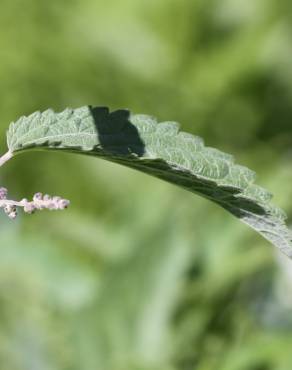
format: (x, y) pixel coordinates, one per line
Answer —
(39, 202)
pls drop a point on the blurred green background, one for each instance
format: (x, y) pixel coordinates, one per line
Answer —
(139, 274)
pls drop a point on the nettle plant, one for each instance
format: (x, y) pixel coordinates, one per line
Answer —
(159, 149)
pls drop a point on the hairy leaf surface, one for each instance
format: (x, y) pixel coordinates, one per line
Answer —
(161, 150)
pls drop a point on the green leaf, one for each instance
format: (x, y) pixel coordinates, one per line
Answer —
(159, 149)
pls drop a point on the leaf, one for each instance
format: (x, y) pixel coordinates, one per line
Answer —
(159, 149)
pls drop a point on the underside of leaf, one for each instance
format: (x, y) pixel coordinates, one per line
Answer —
(161, 150)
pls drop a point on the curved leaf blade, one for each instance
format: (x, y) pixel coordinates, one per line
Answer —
(158, 149)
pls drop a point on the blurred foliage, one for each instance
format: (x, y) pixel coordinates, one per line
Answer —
(138, 274)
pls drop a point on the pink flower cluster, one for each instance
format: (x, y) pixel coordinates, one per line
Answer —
(39, 202)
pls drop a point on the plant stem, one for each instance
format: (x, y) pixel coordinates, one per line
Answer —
(6, 202)
(5, 158)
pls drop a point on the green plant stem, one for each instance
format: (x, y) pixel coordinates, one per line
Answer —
(8, 155)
